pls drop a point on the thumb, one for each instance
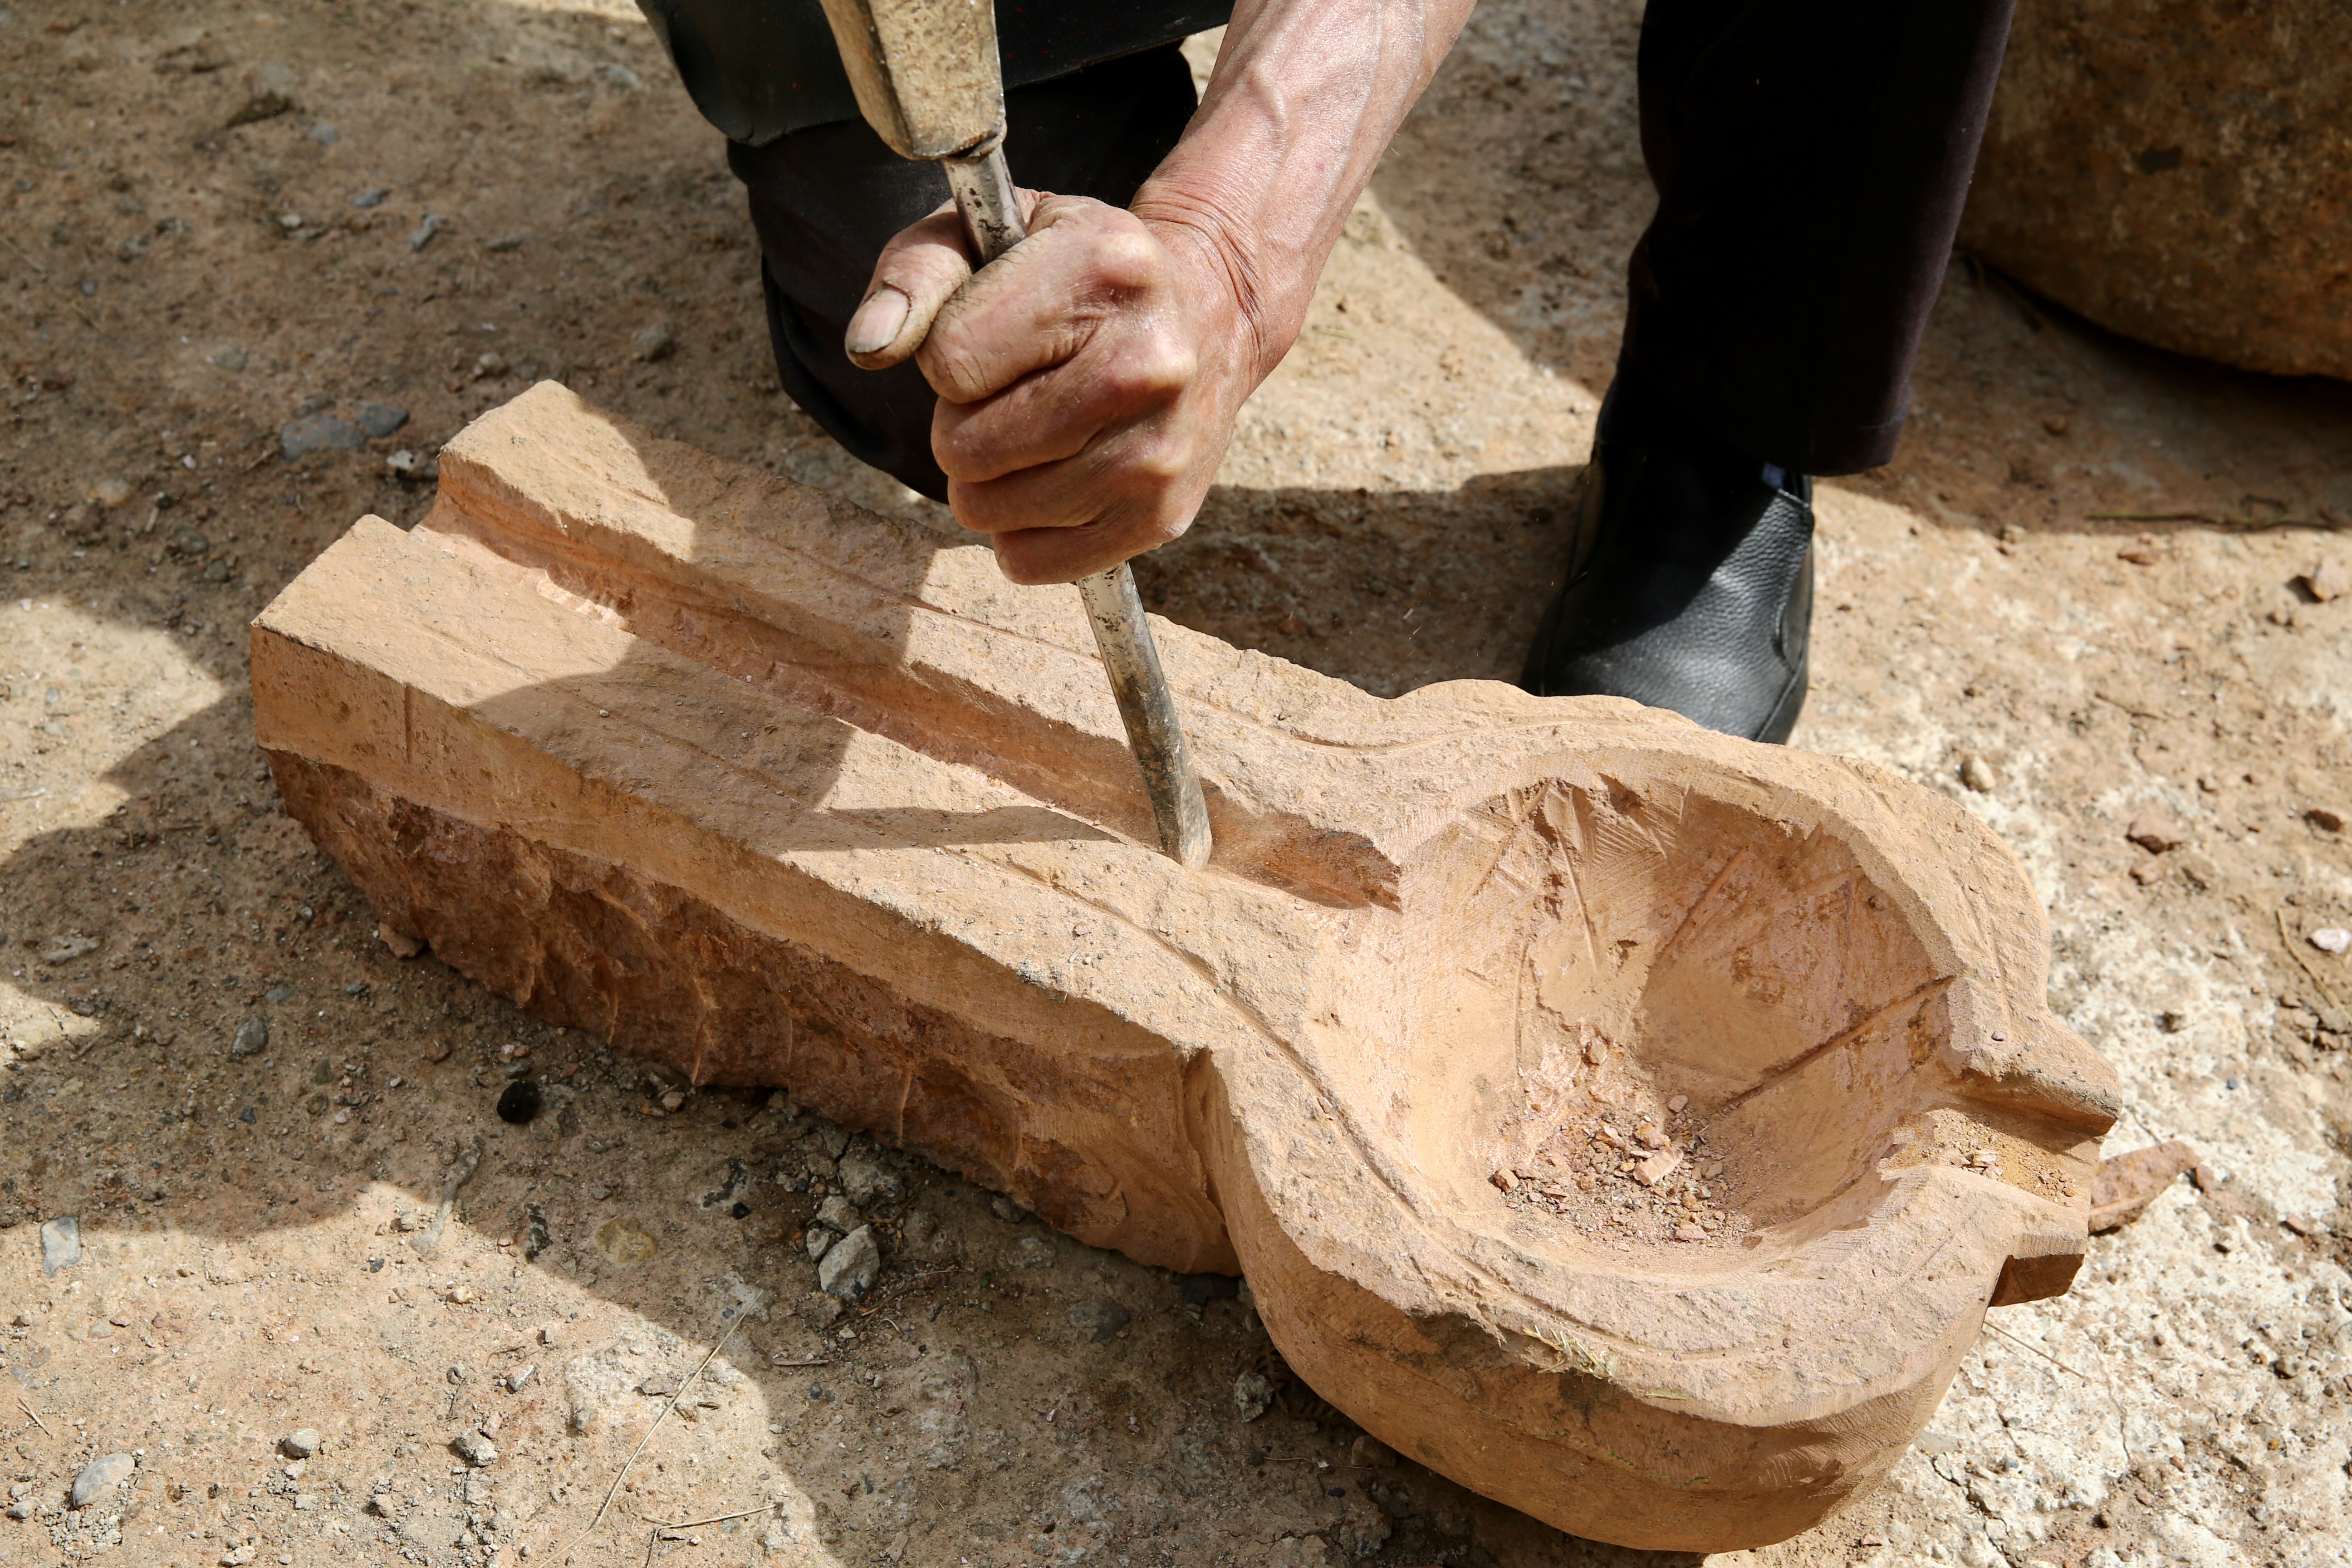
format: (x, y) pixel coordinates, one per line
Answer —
(919, 271)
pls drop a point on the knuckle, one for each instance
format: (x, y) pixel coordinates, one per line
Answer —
(1149, 371)
(1128, 260)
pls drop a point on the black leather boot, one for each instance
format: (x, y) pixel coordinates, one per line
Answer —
(1690, 577)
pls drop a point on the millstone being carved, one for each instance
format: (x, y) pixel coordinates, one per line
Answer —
(743, 778)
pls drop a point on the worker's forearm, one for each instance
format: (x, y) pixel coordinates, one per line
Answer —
(1305, 98)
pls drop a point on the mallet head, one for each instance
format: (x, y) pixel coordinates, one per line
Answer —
(925, 72)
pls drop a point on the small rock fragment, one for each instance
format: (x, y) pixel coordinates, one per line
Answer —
(1252, 1395)
(99, 1477)
(318, 433)
(818, 1241)
(380, 420)
(2127, 1183)
(1368, 1452)
(1677, 1102)
(2331, 939)
(61, 1244)
(864, 1177)
(1505, 1180)
(653, 344)
(372, 196)
(1687, 1231)
(427, 227)
(402, 943)
(2157, 831)
(1978, 774)
(2322, 583)
(520, 1378)
(850, 1265)
(266, 104)
(72, 946)
(252, 1038)
(2145, 551)
(1658, 1166)
(301, 1444)
(1100, 1318)
(837, 1212)
(474, 1448)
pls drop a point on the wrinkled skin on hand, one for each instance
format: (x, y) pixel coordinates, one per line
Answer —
(1088, 379)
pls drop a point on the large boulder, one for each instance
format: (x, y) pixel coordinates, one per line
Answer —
(2180, 170)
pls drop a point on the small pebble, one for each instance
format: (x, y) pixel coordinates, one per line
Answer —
(252, 1038)
(99, 1477)
(318, 433)
(653, 344)
(299, 1444)
(380, 420)
(475, 1449)
(1978, 774)
(851, 1266)
(373, 197)
(520, 1103)
(2332, 939)
(61, 1244)
(1100, 1318)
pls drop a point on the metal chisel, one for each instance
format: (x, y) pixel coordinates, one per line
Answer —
(927, 80)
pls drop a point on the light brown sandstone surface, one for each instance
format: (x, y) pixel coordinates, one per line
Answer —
(747, 779)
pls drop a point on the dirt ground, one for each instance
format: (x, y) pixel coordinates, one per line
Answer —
(272, 1143)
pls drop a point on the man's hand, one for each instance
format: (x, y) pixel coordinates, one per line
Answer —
(1087, 381)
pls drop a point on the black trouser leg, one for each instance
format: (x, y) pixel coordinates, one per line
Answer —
(825, 201)
(1812, 157)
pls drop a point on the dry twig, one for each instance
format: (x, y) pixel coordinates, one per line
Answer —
(36, 1419)
(614, 1490)
(714, 1519)
(2286, 937)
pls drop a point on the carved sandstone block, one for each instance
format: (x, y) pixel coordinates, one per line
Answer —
(781, 793)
